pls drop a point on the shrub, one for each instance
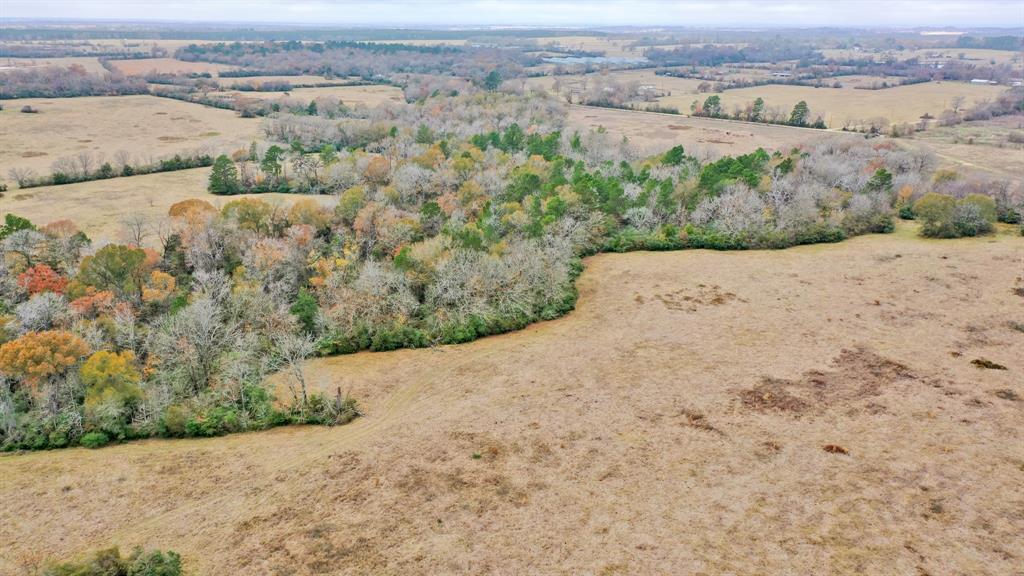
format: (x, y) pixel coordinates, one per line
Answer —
(971, 218)
(94, 440)
(109, 562)
(935, 211)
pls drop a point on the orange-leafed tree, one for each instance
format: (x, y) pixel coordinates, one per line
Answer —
(378, 171)
(160, 286)
(191, 208)
(37, 356)
(42, 278)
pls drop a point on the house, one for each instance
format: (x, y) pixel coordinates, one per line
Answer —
(983, 81)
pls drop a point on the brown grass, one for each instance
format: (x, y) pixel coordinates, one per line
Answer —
(838, 106)
(371, 95)
(146, 126)
(91, 64)
(98, 207)
(143, 66)
(615, 440)
(658, 132)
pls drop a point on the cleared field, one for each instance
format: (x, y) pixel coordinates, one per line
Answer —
(98, 207)
(91, 65)
(963, 54)
(610, 46)
(841, 105)
(664, 84)
(253, 80)
(659, 132)
(664, 427)
(147, 127)
(143, 66)
(370, 95)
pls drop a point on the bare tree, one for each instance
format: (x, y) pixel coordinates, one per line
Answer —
(292, 351)
(135, 229)
(85, 163)
(23, 176)
(956, 103)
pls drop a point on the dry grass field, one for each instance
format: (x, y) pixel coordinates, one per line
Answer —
(848, 104)
(370, 95)
(144, 66)
(655, 133)
(99, 207)
(294, 80)
(971, 55)
(836, 105)
(806, 411)
(146, 126)
(610, 46)
(91, 65)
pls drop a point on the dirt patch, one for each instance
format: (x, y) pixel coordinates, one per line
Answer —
(689, 299)
(32, 154)
(859, 373)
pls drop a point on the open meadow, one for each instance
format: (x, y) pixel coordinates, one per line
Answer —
(652, 131)
(839, 106)
(146, 127)
(812, 410)
(100, 207)
(90, 64)
(145, 66)
(369, 95)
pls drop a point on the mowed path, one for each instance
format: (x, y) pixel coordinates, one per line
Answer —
(674, 423)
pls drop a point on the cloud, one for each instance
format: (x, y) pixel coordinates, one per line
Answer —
(722, 13)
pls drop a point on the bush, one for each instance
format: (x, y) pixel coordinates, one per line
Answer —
(94, 440)
(935, 211)
(974, 215)
(109, 562)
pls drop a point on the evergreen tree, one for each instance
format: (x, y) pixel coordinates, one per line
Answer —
(799, 115)
(224, 177)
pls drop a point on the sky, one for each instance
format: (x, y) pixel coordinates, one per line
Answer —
(697, 13)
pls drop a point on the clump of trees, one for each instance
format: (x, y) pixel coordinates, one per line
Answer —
(74, 80)
(758, 111)
(86, 166)
(943, 216)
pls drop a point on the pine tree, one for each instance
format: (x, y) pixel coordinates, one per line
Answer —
(224, 177)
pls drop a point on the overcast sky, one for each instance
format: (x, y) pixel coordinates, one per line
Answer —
(721, 13)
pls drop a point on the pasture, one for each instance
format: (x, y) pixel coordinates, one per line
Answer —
(666, 425)
(145, 66)
(91, 64)
(655, 132)
(99, 207)
(146, 127)
(369, 95)
(848, 105)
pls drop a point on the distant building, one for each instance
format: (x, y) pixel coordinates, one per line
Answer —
(782, 74)
(983, 81)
